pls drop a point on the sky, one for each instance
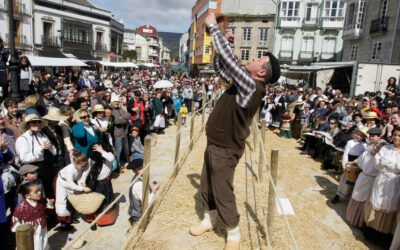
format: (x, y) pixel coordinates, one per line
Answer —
(164, 15)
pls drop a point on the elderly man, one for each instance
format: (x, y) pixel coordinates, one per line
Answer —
(85, 82)
(227, 129)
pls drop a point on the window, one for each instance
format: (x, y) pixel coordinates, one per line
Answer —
(233, 30)
(287, 44)
(246, 34)
(376, 50)
(354, 52)
(308, 44)
(311, 12)
(329, 45)
(355, 14)
(245, 55)
(261, 53)
(263, 34)
(290, 8)
(208, 50)
(384, 7)
(334, 8)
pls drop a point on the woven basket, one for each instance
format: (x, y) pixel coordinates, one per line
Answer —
(86, 203)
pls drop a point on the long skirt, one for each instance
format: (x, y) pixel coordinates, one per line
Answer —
(355, 213)
(297, 129)
(384, 222)
(344, 190)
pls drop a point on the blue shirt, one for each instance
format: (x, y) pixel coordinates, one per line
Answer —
(82, 138)
(177, 102)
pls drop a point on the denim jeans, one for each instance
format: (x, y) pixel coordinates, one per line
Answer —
(121, 146)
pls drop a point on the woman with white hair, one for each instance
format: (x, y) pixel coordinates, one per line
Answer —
(85, 82)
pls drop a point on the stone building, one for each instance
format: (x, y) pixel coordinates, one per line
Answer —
(371, 32)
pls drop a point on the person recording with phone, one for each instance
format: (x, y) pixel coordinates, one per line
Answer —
(227, 129)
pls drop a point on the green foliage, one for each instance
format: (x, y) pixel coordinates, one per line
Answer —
(131, 54)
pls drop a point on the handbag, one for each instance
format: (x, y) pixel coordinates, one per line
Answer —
(86, 203)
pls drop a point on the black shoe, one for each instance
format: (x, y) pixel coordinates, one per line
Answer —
(75, 221)
(335, 199)
(66, 227)
(94, 227)
(133, 220)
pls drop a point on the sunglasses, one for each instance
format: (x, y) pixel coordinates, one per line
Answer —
(333, 123)
(34, 122)
(84, 117)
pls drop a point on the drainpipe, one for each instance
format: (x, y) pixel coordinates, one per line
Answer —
(277, 2)
(395, 33)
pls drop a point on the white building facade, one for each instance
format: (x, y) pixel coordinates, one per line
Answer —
(184, 49)
(135, 41)
(23, 32)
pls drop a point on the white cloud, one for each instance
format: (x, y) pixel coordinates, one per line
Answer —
(164, 15)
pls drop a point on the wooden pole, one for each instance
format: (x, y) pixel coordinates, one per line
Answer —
(261, 158)
(203, 115)
(193, 109)
(24, 237)
(191, 132)
(271, 193)
(255, 135)
(178, 138)
(146, 178)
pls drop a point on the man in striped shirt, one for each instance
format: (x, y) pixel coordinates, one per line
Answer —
(227, 129)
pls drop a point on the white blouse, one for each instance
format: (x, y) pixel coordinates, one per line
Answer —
(353, 147)
(28, 147)
(74, 178)
(363, 186)
(107, 165)
(385, 193)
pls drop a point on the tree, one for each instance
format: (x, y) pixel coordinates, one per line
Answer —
(131, 54)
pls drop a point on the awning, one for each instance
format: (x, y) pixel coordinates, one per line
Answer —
(49, 52)
(81, 55)
(55, 62)
(149, 65)
(321, 66)
(119, 64)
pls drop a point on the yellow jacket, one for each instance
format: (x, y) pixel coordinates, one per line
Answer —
(183, 111)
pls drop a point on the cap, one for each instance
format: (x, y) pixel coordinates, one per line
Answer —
(276, 68)
(27, 169)
(135, 128)
(307, 105)
(365, 98)
(100, 88)
(59, 86)
(135, 164)
(375, 131)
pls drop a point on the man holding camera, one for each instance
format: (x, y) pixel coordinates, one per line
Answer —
(227, 129)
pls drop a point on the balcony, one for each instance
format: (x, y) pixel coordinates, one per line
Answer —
(335, 22)
(306, 56)
(289, 21)
(77, 44)
(100, 47)
(378, 26)
(154, 53)
(246, 43)
(155, 44)
(285, 55)
(20, 40)
(311, 23)
(327, 56)
(262, 44)
(51, 41)
(353, 31)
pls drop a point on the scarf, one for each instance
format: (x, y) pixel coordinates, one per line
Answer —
(25, 213)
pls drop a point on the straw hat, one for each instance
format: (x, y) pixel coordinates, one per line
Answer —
(98, 108)
(370, 115)
(54, 114)
(363, 130)
(114, 98)
(30, 118)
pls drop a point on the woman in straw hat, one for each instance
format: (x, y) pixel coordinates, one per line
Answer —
(353, 149)
(371, 119)
(34, 147)
(83, 131)
(100, 122)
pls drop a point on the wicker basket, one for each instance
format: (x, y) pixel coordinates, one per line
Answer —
(86, 203)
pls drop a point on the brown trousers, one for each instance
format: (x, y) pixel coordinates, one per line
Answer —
(217, 182)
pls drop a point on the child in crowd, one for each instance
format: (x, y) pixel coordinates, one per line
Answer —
(177, 100)
(137, 149)
(29, 173)
(135, 193)
(184, 112)
(286, 128)
(70, 179)
(32, 210)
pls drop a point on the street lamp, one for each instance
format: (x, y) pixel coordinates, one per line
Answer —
(14, 61)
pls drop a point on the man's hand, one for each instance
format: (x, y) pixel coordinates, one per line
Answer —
(229, 35)
(210, 19)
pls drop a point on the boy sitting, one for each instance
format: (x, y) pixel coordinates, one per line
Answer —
(135, 193)
(137, 149)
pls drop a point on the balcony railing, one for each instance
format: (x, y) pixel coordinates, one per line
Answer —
(246, 43)
(353, 31)
(311, 22)
(77, 43)
(100, 47)
(328, 56)
(379, 25)
(285, 55)
(156, 44)
(20, 40)
(262, 44)
(335, 22)
(289, 21)
(306, 56)
(53, 41)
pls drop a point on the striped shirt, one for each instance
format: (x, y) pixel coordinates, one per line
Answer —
(228, 67)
